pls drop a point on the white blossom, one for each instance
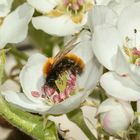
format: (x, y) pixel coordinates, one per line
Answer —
(48, 100)
(115, 116)
(61, 17)
(14, 25)
(116, 40)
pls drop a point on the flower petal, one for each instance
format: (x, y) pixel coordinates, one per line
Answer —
(5, 7)
(122, 65)
(129, 22)
(105, 45)
(14, 32)
(60, 26)
(43, 6)
(135, 73)
(68, 105)
(20, 100)
(101, 15)
(112, 111)
(120, 87)
(119, 6)
(126, 68)
(31, 76)
(128, 108)
(108, 105)
(89, 78)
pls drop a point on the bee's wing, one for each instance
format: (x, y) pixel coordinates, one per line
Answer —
(68, 47)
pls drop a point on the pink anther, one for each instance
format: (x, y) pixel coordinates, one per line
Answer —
(135, 51)
(56, 98)
(35, 94)
(80, 2)
(48, 90)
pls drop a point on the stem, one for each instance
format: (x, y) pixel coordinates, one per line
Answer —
(17, 53)
(28, 123)
(76, 116)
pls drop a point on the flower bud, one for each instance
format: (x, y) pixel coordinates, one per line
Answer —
(115, 116)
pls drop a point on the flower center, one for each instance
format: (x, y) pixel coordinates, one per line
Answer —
(65, 87)
(133, 54)
(74, 8)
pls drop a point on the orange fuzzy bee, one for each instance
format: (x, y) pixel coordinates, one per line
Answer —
(63, 61)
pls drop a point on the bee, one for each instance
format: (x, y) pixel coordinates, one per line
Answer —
(63, 61)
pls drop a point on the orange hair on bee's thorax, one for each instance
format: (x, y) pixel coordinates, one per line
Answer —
(76, 59)
(48, 65)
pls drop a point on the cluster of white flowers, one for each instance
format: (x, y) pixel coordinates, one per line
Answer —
(109, 36)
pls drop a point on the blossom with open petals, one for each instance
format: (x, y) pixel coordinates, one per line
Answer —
(116, 42)
(61, 17)
(69, 91)
(14, 25)
(115, 116)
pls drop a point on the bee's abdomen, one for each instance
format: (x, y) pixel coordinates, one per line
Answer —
(66, 64)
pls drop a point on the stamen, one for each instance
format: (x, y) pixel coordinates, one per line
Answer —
(62, 96)
(35, 94)
(63, 90)
(56, 98)
(135, 51)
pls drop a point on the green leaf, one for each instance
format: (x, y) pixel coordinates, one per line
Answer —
(77, 117)
(2, 64)
(28, 123)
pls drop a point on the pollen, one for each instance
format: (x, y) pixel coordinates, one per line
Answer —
(47, 65)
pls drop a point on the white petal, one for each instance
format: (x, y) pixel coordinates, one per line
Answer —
(135, 73)
(113, 117)
(129, 21)
(112, 111)
(118, 6)
(43, 6)
(102, 2)
(128, 108)
(92, 72)
(101, 15)
(82, 49)
(20, 100)
(108, 105)
(5, 7)
(105, 45)
(15, 26)
(31, 76)
(122, 65)
(120, 87)
(68, 105)
(36, 58)
(61, 26)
